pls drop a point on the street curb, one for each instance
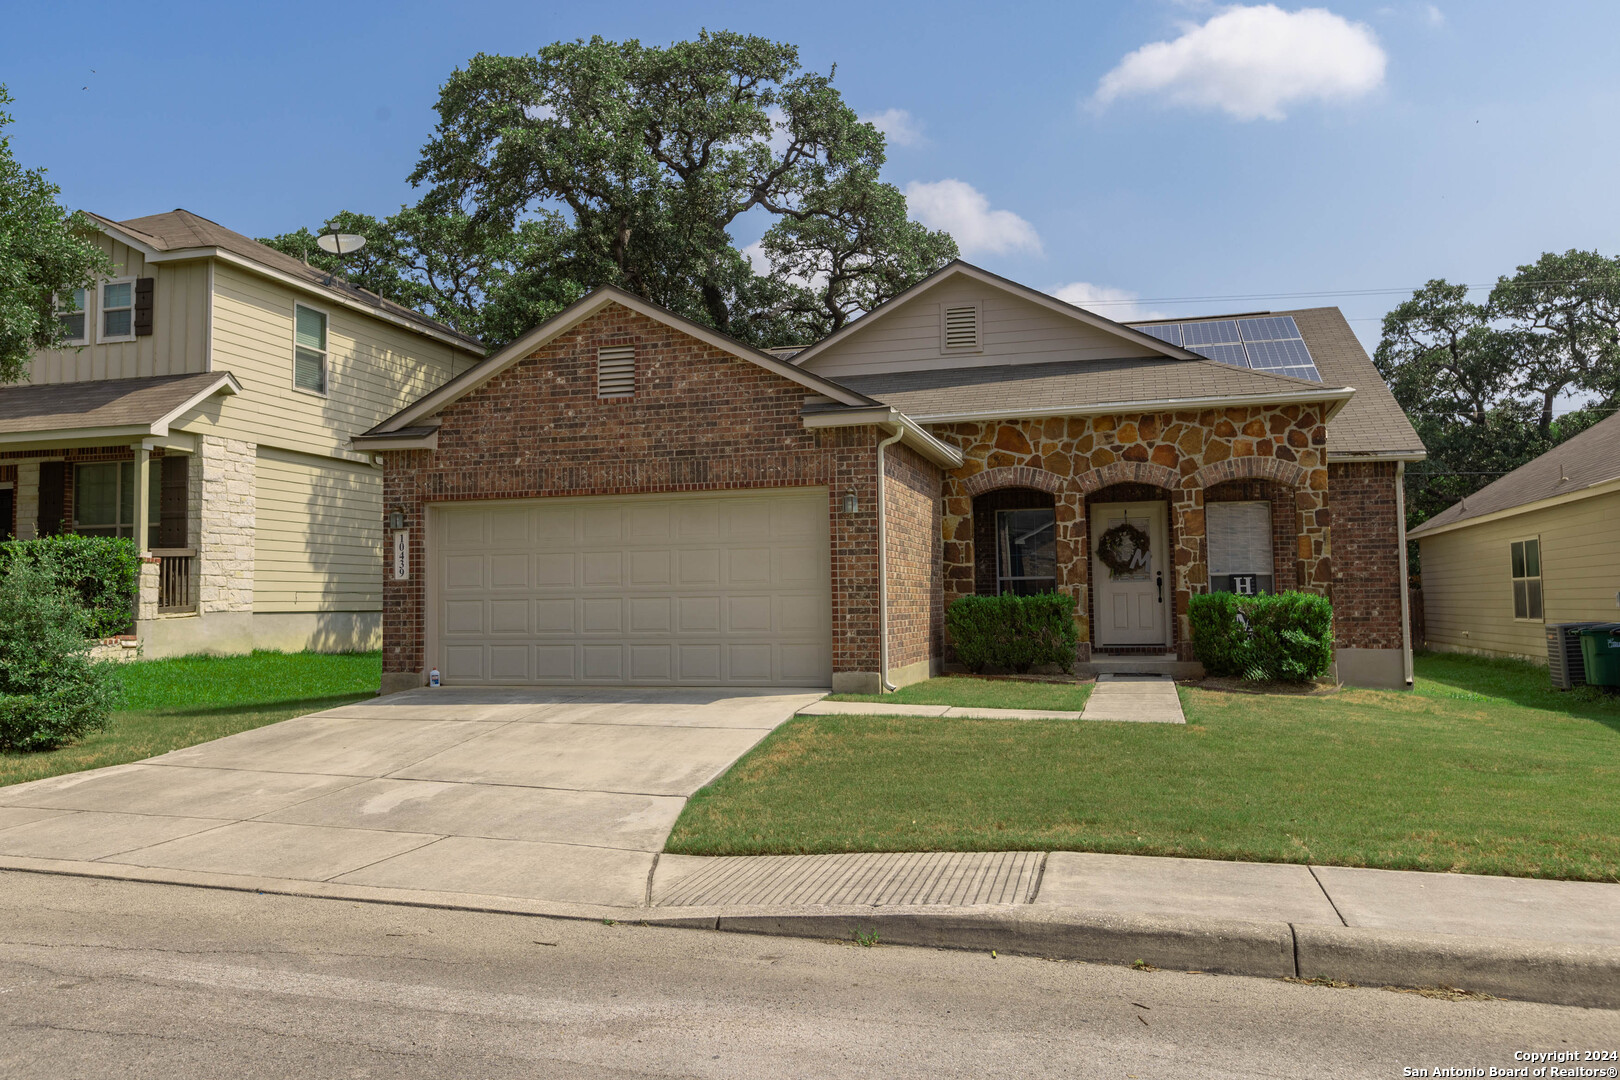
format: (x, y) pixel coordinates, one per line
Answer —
(1560, 973)
(1552, 972)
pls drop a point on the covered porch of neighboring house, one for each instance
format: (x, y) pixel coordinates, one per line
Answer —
(107, 459)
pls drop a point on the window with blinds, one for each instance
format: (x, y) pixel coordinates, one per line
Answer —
(616, 371)
(309, 349)
(961, 330)
(1239, 536)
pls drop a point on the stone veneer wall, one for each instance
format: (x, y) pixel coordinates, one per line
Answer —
(1182, 452)
(226, 509)
(1366, 555)
(700, 420)
(915, 595)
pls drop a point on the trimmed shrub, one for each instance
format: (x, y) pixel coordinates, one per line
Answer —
(105, 571)
(50, 689)
(1013, 632)
(1287, 637)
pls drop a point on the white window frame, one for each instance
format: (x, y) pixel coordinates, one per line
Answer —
(326, 354)
(119, 526)
(102, 337)
(1003, 556)
(89, 315)
(1539, 577)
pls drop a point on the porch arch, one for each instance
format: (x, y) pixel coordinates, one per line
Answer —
(1250, 468)
(1013, 476)
(1128, 472)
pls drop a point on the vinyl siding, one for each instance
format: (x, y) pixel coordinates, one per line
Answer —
(1012, 331)
(177, 345)
(374, 369)
(317, 542)
(1467, 579)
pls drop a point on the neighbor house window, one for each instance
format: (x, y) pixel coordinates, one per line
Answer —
(1239, 535)
(1026, 551)
(1526, 559)
(118, 310)
(71, 313)
(104, 498)
(309, 349)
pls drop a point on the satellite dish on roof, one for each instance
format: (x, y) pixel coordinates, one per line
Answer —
(343, 243)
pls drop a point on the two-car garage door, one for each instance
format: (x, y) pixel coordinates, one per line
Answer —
(660, 590)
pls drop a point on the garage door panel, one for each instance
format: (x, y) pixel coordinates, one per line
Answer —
(701, 590)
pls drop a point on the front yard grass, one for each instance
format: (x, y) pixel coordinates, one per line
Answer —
(1481, 769)
(173, 703)
(984, 694)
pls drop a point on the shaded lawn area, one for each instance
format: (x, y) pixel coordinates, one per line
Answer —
(173, 703)
(1481, 769)
(984, 694)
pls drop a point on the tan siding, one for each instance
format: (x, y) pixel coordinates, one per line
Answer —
(1013, 330)
(177, 345)
(318, 536)
(1467, 581)
(374, 369)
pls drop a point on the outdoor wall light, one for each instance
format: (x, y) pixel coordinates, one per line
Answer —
(396, 519)
(851, 504)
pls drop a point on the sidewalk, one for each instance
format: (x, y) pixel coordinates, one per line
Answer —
(1549, 941)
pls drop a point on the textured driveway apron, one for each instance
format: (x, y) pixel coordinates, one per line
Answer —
(562, 796)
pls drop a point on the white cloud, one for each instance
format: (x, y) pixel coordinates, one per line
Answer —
(962, 210)
(755, 254)
(900, 126)
(1121, 305)
(1436, 17)
(1250, 62)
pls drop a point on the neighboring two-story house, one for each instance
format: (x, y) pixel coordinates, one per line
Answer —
(204, 407)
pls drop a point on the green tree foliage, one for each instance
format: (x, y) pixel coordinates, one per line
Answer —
(600, 162)
(1480, 380)
(45, 252)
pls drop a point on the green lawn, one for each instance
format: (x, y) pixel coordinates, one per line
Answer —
(1481, 769)
(984, 694)
(173, 703)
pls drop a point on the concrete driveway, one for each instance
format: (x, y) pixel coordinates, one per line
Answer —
(563, 796)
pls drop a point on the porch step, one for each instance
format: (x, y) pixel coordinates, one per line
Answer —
(1166, 665)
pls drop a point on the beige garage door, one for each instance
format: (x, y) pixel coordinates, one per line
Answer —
(700, 590)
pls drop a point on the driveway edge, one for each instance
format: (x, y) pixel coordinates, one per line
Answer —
(1544, 971)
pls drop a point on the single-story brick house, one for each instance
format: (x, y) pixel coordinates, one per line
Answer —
(625, 496)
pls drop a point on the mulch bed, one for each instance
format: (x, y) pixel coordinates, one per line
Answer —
(1228, 685)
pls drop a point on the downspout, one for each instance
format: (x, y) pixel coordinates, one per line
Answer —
(1406, 587)
(883, 566)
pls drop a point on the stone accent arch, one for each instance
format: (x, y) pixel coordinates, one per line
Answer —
(1128, 472)
(1250, 468)
(1013, 476)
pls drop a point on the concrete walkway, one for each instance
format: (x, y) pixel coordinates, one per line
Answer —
(561, 797)
(1142, 699)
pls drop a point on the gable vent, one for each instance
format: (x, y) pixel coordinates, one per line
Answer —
(962, 327)
(616, 371)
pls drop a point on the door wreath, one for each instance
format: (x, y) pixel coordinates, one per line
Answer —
(1124, 549)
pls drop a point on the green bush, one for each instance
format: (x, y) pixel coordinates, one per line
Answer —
(1013, 632)
(104, 570)
(1287, 637)
(51, 691)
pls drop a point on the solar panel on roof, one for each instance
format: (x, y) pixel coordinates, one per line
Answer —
(1272, 328)
(1220, 332)
(1226, 354)
(1270, 343)
(1170, 332)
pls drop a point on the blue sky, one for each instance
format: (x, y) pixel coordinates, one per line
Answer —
(1256, 152)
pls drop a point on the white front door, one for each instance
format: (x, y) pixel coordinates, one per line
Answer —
(1133, 597)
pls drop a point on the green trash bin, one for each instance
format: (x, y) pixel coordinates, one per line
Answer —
(1600, 649)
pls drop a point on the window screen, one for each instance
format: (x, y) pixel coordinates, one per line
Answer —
(1026, 551)
(1239, 535)
(118, 309)
(309, 350)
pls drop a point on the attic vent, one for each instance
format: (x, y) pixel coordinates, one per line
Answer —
(962, 327)
(616, 371)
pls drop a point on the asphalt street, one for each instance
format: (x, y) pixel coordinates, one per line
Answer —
(102, 978)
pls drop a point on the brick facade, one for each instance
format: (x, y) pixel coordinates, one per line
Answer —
(700, 420)
(1366, 555)
(913, 549)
